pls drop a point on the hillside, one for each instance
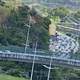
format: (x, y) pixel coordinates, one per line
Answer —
(5, 9)
(14, 29)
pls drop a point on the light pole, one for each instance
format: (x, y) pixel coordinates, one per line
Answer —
(49, 68)
(33, 61)
(37, 77)
(26, 46)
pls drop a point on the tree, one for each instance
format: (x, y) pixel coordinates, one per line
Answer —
(40, 35)
(33, 12)
(61, 12)
(77, 15)
(56, 75)
(71, 76)
(47, 22)
(2, 3)
(18, 18)
(24, 10)
(38, 31)
(3, 40)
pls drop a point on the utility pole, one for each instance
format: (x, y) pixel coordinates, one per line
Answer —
(49, 68)
(27, 41)
(33, 61)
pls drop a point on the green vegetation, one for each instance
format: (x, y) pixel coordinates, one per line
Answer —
(2, 3)
(61, 12)
(3, 13)
(8, 77)
(5, 8)
(9, 3)
(20, 69)
(77, 15)
(13, 31)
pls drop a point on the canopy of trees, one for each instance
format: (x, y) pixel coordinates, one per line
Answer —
(16, 30)
(61, 12)
(77, 15)
(21, 69)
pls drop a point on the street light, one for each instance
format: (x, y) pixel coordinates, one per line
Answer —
(49, 68)
(26, 46)
(37, 77)
(33, 61)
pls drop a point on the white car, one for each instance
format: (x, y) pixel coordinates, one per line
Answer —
(39, 51)
(5, 51)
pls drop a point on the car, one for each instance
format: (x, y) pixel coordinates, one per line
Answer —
(39, 51)
(5, 51)
(0, 51)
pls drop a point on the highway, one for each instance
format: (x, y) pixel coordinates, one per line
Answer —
(68, 29)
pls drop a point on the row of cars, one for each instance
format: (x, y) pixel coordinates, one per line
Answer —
(63, 45)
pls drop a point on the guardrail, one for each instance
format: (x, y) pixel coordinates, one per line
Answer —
(40, 59)
(68, 29)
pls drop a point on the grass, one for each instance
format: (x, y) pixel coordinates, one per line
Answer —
(8, 77)
(9, 2)
(3, 13)
(4, 10)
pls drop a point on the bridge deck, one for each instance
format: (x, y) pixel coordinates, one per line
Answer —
(42, 57)
(31, 51)
(39, 59)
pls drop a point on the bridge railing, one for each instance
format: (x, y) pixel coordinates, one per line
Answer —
(39, 59)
